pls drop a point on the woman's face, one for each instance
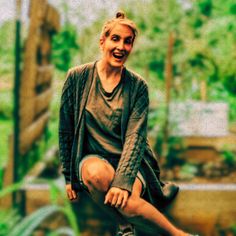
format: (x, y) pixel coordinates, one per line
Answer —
(117, 46)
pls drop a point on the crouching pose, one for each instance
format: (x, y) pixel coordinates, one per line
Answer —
(103, 137)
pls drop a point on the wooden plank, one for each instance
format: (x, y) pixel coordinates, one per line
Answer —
(42, 101)
(32, 133)
(37, 14)
(201, 155)
(27, 112)
(32, 106)
(38, 195)
(38, 10)
(219, 143)
(45, 43)
(40, 166)
(44, 74)
(29, 73)
(35, 201)
(28, 76)
(168, 86)
(52, 19)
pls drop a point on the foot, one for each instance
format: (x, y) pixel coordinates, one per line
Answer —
(126, 230)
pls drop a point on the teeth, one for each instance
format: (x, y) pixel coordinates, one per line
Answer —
(118, 55)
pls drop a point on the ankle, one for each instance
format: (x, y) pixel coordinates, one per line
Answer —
(180, 233)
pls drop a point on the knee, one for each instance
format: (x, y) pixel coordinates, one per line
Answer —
(97, 176)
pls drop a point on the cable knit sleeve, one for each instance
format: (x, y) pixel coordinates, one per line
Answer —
(66, 125)
(135, 141)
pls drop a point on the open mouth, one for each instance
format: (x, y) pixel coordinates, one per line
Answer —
(118, 55)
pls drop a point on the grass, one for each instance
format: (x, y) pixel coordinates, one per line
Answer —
(6, 105)
(6, 123)
(6, 128)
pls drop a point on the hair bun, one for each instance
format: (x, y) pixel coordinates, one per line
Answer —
(120, 14)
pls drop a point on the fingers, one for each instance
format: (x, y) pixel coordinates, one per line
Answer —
(116, 197)
(74, 195)
(119, 201)
(71, 194)
(108, 197)
(125, 200)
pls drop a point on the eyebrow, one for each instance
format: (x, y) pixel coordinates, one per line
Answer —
(116, 35)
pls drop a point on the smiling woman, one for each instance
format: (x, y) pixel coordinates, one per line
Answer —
(118, 44)
(103, 137)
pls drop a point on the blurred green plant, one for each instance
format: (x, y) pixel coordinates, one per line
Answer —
(7, 47)
(217, 92)
(8, 220)
(6, 107)
(28, 224)
(64, 47)
(229, 157)
(188, 171)
(11, 223)
(156, 117)
(233, 228)
(58, 189)
(6, 127)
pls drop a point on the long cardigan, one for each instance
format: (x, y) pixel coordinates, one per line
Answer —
(136, 155)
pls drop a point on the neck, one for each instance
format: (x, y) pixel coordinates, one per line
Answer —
(108, 72)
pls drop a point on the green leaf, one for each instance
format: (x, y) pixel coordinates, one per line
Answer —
(31, 222)
(10, 189)
(8, 219)
(63, 231)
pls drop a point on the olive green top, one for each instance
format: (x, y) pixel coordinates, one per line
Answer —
(103, 113)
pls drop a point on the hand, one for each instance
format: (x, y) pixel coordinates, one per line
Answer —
(71, 194)
(116, 197)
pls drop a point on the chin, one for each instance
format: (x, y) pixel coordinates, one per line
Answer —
(117, 63)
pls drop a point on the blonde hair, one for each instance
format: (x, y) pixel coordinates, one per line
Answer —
(119, 19)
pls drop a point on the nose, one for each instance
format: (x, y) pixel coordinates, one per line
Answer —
(121, 45)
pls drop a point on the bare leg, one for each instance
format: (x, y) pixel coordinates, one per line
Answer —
(97, 176)
(146, 216)
(97, 170)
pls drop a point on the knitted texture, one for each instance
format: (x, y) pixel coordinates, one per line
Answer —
(72, 92)
(136, 155)
(135, 140)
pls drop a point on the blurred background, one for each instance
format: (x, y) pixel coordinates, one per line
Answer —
(186, 50)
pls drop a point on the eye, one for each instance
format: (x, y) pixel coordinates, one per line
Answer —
(115, 38)
(128, 41)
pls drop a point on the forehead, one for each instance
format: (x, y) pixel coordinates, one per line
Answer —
(121, 30)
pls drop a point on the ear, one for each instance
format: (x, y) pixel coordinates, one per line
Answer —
(101, 42)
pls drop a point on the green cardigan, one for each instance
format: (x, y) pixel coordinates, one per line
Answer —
(137, 154)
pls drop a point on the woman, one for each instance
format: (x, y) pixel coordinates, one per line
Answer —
(103, 136)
